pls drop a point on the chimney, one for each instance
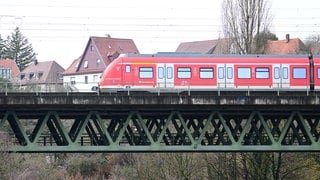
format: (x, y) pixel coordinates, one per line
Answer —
(287, 37)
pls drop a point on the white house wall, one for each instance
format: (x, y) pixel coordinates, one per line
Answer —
(77, 83)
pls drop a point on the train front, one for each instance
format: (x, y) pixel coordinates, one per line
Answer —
(111, 79)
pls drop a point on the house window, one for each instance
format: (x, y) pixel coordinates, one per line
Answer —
(98, 62)
(40, 74)
(262, 73)
(318, 73)
(91, 48)
(60, 76)
(184, 73)
(31, 75)
(299, 73)
(5, 73)
(22, 76)
(72, 80)
(85, 65)
(86, 79)
(206, 73)
(95, 78)
(145, 72)
(244, 73)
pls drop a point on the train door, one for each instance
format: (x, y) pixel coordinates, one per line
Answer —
(128, 79)
(225, 76)
(281, 76)
(165, 78)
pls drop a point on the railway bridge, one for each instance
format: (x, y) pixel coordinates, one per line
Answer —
(153, 122)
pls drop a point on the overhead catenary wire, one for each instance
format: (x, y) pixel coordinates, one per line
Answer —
(54, 26)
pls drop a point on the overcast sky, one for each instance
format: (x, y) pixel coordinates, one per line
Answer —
(59, 29)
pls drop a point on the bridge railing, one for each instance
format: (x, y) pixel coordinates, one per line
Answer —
(9, 87)
(38, 87)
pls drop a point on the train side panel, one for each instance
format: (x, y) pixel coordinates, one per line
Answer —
(300, 76)
(195, 76)
(316, 71)
(212, 74)
(144, 76)
(256, 76)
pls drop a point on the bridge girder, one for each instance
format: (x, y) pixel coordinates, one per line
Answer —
(160, 130)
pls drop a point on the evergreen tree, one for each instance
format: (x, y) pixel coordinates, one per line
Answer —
(19, 49)
(261, 39)
(2, 48)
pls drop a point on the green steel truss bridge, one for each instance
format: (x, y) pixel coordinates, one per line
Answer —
(142, 122)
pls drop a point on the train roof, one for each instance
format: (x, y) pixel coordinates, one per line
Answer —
(169, 54)
(147, 59)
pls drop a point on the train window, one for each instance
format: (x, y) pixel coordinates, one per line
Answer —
(229, 73)
(221, 72)
(276, 72)
(169, 72)
(206, 73)
(244, 73)
(262, 73)
(184, 73)
(318, 73)
(299, 73)
(285, 73)
(128, 68)
(145, 72)
(160, 72)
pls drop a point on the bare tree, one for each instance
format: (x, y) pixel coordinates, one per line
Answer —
(313, 43)
(243, 20)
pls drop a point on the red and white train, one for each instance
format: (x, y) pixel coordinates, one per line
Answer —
(172, 73)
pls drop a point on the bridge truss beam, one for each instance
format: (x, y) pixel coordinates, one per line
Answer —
(160, 131)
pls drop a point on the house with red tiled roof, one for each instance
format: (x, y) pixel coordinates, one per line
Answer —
(286, 46)
(84, 72)
(45, 76)
(8, 69)
(218, 46)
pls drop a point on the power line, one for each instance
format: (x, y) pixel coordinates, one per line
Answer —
(101, 6)
(151, 24)
(112, 24)
(108, 17)
(293, 18)
(88, 6)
